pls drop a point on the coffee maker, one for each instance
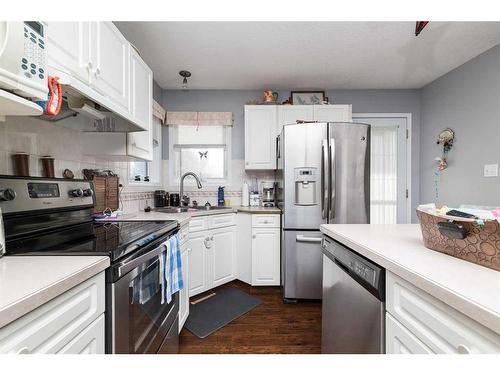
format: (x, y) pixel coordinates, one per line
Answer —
(268, 193)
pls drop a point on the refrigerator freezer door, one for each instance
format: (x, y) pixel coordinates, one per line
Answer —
(302, 265)
(302, 154)
(349, 173)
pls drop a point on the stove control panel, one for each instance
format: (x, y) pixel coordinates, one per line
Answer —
(33, 193)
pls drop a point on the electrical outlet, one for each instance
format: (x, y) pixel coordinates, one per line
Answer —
(491, 170)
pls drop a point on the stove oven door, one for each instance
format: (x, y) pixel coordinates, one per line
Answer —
(140, 320)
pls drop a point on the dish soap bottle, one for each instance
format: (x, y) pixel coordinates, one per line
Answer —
(220, 196)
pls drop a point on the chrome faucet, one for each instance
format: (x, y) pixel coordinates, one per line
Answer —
(181, 192)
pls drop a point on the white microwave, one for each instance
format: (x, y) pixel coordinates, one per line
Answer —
(23, 58)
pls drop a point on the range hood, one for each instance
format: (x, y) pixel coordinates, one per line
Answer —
(95, 112)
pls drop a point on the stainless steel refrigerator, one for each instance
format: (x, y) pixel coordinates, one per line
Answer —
(324, 170)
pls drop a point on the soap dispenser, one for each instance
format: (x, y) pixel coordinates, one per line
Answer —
(220, 196)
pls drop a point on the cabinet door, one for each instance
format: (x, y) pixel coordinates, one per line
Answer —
(290, 114)
(265, 256)
(89, 341)
(260, 137)
(223, 255)
(197, 262)
(68, 48)
(110, 63)
(333, 113)
(398, 340)
(184, 293)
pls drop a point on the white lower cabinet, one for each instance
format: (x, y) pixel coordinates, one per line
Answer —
(398, 340)
(184, 293)
(197, 261)
(437, 326)
(265, 256)
(223, 255)
(71, 323)
(212, 255)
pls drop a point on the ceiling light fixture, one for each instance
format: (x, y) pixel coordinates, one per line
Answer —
(185, 74)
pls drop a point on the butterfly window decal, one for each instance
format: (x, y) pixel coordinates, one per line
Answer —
(203, 155)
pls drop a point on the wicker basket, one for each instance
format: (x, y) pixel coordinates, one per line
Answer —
(480, 246)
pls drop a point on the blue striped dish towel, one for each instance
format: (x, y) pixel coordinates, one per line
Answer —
(171, 269)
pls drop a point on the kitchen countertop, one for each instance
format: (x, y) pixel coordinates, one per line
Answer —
(27, 282)
(469, 288)
(183, 217)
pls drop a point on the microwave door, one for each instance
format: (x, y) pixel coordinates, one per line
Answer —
(304, 188)
(349, 160)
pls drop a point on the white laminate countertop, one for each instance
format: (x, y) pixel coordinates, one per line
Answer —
(27, 282)
(183, 217)
(469, 288)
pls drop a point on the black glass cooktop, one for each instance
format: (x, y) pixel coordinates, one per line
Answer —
(114, 239)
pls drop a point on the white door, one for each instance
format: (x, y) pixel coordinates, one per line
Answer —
(333, 113)
(110, 60)
(399, 340)
(140, 144)
(68, 48)
(197, 262)
(388, 169)
(89, 341)
(184, 294)
(260, 136)
(223, 255)
(290, 114)
(265, 256)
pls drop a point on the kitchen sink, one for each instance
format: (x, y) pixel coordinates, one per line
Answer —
(176, 210)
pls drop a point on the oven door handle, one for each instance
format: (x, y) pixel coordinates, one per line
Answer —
(143, 259)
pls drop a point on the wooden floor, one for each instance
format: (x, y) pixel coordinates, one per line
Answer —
(272, 327)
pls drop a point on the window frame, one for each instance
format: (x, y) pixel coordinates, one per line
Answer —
(174, 180)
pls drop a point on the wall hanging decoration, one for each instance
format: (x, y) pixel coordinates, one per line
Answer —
(445, 138)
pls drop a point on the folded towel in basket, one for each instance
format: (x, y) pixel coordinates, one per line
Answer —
(171, 266)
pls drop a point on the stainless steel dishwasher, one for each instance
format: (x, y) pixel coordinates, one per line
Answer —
(353, 313)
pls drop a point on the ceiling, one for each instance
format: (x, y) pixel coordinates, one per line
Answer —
(302, 55)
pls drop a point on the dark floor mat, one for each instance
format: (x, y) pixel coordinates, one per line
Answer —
(210, 315)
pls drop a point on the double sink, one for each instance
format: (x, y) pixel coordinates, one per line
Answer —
(176, 210)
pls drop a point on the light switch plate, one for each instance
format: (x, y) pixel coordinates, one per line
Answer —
(491, 170)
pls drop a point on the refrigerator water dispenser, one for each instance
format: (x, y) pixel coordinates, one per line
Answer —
(305, 187)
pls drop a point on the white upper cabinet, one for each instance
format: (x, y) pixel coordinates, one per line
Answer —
(290, 114)
(68, 48)
(110, 62)
(333, 113)
(140, 144)
(260, 136)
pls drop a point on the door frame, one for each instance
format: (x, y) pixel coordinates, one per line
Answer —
(407, 116)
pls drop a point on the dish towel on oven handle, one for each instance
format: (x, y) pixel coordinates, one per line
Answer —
(171, 269)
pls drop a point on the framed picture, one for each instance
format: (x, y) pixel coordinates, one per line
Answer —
(307, 97)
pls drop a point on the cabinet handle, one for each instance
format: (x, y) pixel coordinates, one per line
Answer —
(97, 72)
(212, 238)
(89, 66)
(253, 236)
(24, 350)
(462, 349)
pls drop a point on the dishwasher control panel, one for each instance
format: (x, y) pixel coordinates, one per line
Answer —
(353, 263)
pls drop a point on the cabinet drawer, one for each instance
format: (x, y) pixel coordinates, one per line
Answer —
(53, 325)
(398, 340)
(89, 341)
(197, 224)
(184, 234)
(440, 327)
(219, 221)
(269, 220)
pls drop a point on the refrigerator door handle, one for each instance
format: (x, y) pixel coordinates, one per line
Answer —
(332, 181)
(302, 238)
(324, 180)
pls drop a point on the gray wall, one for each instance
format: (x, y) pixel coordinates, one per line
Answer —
(467, 100)
(363, 101)
(157, 92)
